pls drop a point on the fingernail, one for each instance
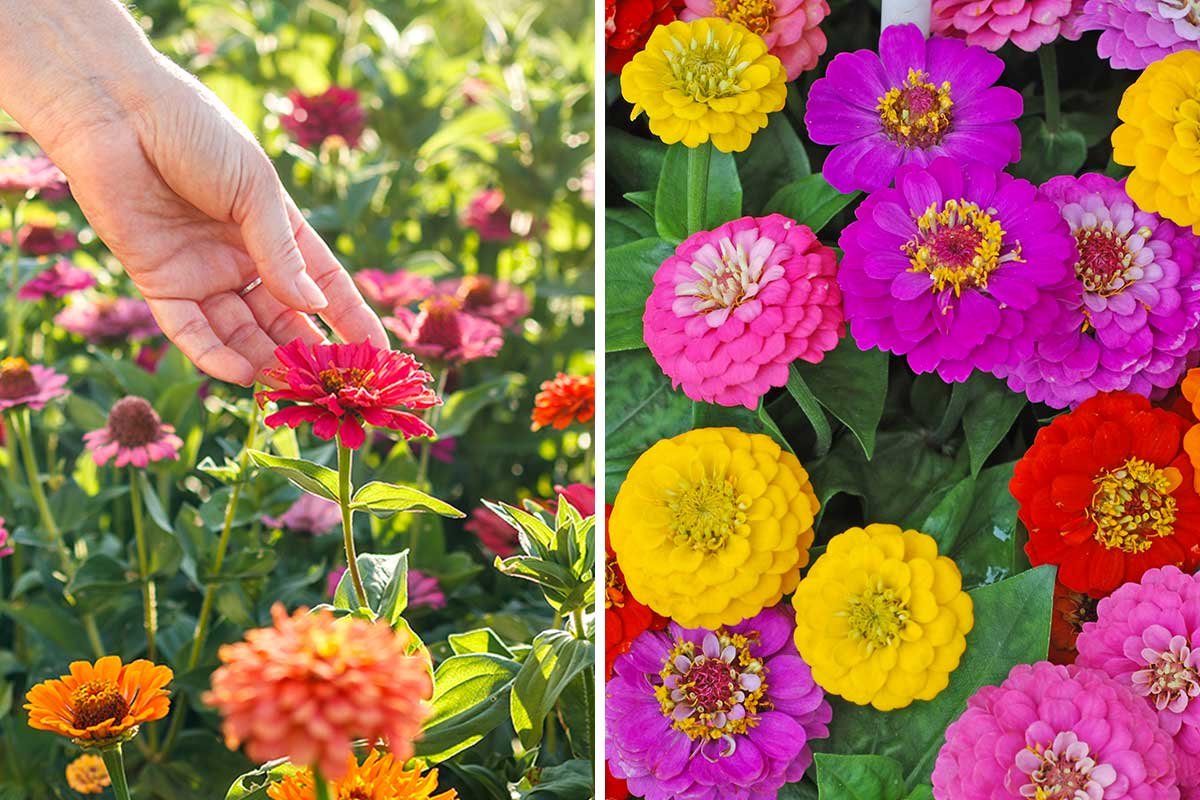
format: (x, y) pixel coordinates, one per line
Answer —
(311, 293)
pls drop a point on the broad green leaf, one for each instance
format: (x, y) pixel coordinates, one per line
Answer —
(722, 199)
(811, 407)
(810, 201)
(571, 780)
(858, 777)
(629, 278)
(312, 478)
(556, 658)
(480, 640)
(386, 580)
(852, 385)
(470, 699)
(624, 225)
(253, 785)
(775, 158)
(640, 408)
(922, 792)
(1046, 153)
(633, 162)
(975, 524)
(989, 415)
(463, 406)
(388, 498)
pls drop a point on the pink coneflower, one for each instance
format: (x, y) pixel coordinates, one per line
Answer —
(336, 112)
(58, 280)
(135, 434)
(392, 289)
(424, 590)
(484, 296)
(42, 240)
(21, 176)
(108, 320)
(310, 514)
(494, 533)
(441, 332)
(486, 213)
(339, 387)
(789, 27)
(6, 547)
(25, 384)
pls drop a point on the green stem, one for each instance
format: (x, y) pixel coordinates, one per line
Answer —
(1048, 61)
(20, 423)
(322, 785)
(14, 328)
(577, 616)
(435, 416)
(345, 487)
(149, 605)
(114, 762)
(697, 186)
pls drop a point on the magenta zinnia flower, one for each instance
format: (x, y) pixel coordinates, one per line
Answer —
(728, 713)
(135, 434)
(581, 497)
(1028, 24)
(486, 213)
(916, 100)
(441, 332)
(494, 533)
(20, 176)
(310, 514)
(108, 320)
(338, 387)
(58, 280)
(1136, 33)
(1147, 637)
(25, 384)
(392, 289)
(1135, 310)
(958, 268)
(1057, 733)
(424, 590)
(733, 307)
(335, 112)
(789, 27)
(42, 240)
(6, 546)
(484, 296)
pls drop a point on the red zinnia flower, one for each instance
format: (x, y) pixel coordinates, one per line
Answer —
(614, 788)
(624, 617)
(1106, 492)
(629, 23)
(566, 399)
(315, 118)
(494, 533)
(1071, 611)
(42, 240)
(338, 387)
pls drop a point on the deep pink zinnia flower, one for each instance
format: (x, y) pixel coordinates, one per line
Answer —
(494, 533)
(1147, 636)
(581, 496)
(334, 112)
(1028, 24)
(135, 434)
(109, 319)
(310, 514)
(58, 280)
(486, 213)
(789, 27)
(424, 591)
(6, 546)
(733, 307)
(441, 332)
(42, 240)
(392, 289)
(20, 176)
(25, 384)
(484, 296)
(338, 387)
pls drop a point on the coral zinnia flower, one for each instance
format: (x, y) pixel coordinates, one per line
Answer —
(916, 100)
(41, 240)
(87, 774)
(789, 27)
(1106, 493)
(338, 387)
(566, 399)
(882, 618)
(733, 307)
(102, 703)
(625, 617)
(58, 280)
(135, 434)
(486, 213)
(379, 777)
(484, 296)
(705, 80)
(21, 175)
(1160, 138)
(1136, 33)
(712, 526)
(308, 687)
(627, 26)
(441, 332)
(1071, 611)
(108, 320)
(391, 289)
(23, 384)
(1028, 24)
(335, 112)
(310, 514)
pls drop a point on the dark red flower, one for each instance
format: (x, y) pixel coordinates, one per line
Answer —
(441, 332)
(42, 240)
(338, 387)
(1071, 611)
(315, 118)
(494, 533)
(1106, 492)
(58, 280)
(625, 618)
(614, 788)
(629, 23)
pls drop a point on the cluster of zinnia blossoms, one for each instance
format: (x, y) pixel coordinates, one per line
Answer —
(707, 80)
(134, 435)
(1028, 24)
(334, 114)
(379, 777)
(728, 712)
(58, 280)
(790, 28)
(713, 525)
(565, 400)
(915, 100)
(882, 618)
(732, 308)
(1136, 33)
(108, 320)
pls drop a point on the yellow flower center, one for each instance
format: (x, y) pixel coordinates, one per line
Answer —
(754, 14)
(16, 379)
(715, 690)
(959, 245)
(1133, 505)
(335, 379)
(704, 515)
(876, 617)
(97, 701)
(916, 113)
(705, 70)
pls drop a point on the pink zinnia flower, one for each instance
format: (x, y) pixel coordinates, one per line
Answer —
(336, 112)
(333, 579)
(733, 307)
(109, 319)
(6, 547)
(443, 449)
(58, 280)
(20, 176)
(1048, 727)
(486, 213)
(789, 27)
(579, 495)
(1028, 24)
(308, 687)
(494, 533)
(42, 240)
(309, 514)
(441, 332)
(392, 289)
(1147, 636)
(23, 384)
(338, 387)
(1136, 33)
(150, 354)
(424, 590)
(484, 296)
(135, 434)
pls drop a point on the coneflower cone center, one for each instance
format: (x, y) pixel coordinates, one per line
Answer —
(876, 617)
(16, 379)
(715, 690)
(917, 113)
(705, 70)
(754, 14)
(133, 422)
(1104, 258)
(959, 245)
(1170, 678)
(476, 290)
(97, 701)
(1133, 505)
(705, 514)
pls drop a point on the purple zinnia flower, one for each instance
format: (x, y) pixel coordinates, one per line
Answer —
(109, 319)
(916, 100)
(1147, 636)
(704, 714)
(958, 268)
(1135, 311)
(58, 280)
(424, 590)
(309, 514)
(1136, 33)
(1055, 733)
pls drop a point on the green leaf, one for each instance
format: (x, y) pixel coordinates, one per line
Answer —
(640, 408)
(253, 785)
(811, 407)
(470, 699)
(312, 478)
(633, 162)
(852, 385)
(386, 580)
(624, 225)
(810, 201)
(571, 780)
(553, 662)
(990, 412)
(922, 792)
(975, 524)
(723, 199)
(1046, 153)
(629, 278)
(859, 777)
(464, 405)
(480, 640)
(775, 158)
(382, 499)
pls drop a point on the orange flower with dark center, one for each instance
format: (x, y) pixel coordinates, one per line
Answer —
(87, 774)
(566, 399)
(1071, 611)
(102, 703)
(379, 777)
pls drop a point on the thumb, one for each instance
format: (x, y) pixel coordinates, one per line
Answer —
(271, 241)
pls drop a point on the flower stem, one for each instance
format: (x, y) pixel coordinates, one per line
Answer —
(580, 631)
(150, 606)
(435, 416)
(20, 423)
(697, 186)
(323, 792)
(14, 328)
(345, 487)
(114, 762)
(1048, 61)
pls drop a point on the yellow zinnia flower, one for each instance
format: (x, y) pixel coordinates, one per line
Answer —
(707, 79)
(87, 774)
(1160, 138)
(379, 777)
(882, 618)
(713, 526)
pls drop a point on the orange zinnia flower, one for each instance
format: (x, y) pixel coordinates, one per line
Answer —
(566, 399)
(103, 703)
(380, 777)
(87, 774)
